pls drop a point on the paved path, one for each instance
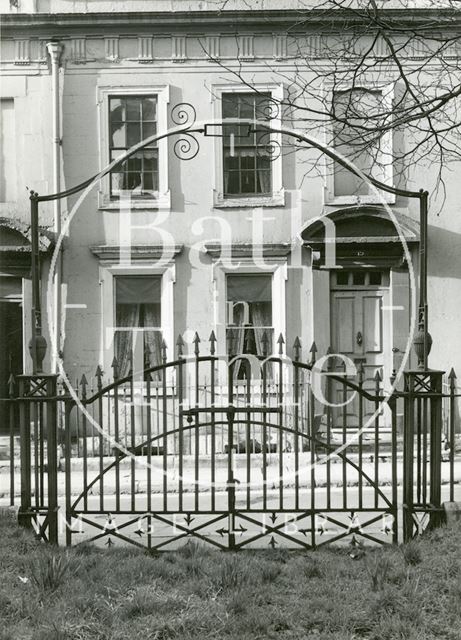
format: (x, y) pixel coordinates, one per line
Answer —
(139, 478)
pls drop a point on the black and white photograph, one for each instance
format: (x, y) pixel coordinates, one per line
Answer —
(230, 319)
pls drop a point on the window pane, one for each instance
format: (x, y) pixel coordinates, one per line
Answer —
(116, 182)
(133, 133)
(148, 129)
(118, 135)
(358, 277)
(150, 161)
(263, 181)
(252, 288)
(263, 162)
(134, 163)
(116, 110)
(375, 277)
(133, 109)
(231, 162)
(342, 277)
(248, 182)
(263, 107)
(149, 111)
(247, 162)
(147, 182)
(231, 182)
(247, 107)
(229, 105)
(137, 289)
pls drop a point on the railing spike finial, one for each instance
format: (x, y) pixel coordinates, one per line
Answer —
(180, 345)
(11, 382)
(196, 342)
(452, 378)
(280, 342)
(297, 347)
(83, 385)
(114, 366)
(212, 340)
(378, 378)
(313, 350)
(98, 374)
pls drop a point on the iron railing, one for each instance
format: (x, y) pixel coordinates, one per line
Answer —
(189, 445)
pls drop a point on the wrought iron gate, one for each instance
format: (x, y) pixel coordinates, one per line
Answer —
(186, 450)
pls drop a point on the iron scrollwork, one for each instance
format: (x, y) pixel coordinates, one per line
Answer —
(187, 146)
(183, 113)
(270, 109)
(270, 149)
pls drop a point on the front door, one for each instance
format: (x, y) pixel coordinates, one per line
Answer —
(360, 331)
(10, 353)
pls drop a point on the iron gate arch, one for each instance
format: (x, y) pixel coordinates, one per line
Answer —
(259, 487)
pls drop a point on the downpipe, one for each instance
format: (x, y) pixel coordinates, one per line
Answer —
(55, 50)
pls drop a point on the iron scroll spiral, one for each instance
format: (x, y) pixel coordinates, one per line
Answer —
(183, 113)
(270, 149)
(270, 109)
(187, 146)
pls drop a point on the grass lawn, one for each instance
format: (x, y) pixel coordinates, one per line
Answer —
(413, 592)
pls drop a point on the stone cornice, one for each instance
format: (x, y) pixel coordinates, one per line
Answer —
(158, 22)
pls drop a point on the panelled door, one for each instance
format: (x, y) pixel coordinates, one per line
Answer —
(360, 324)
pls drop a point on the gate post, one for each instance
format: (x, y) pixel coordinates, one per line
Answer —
(230, 478)
(38, 393)
(52, 457)
(436, 448)
(408, 455)
(423, 390)
(24, 514)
